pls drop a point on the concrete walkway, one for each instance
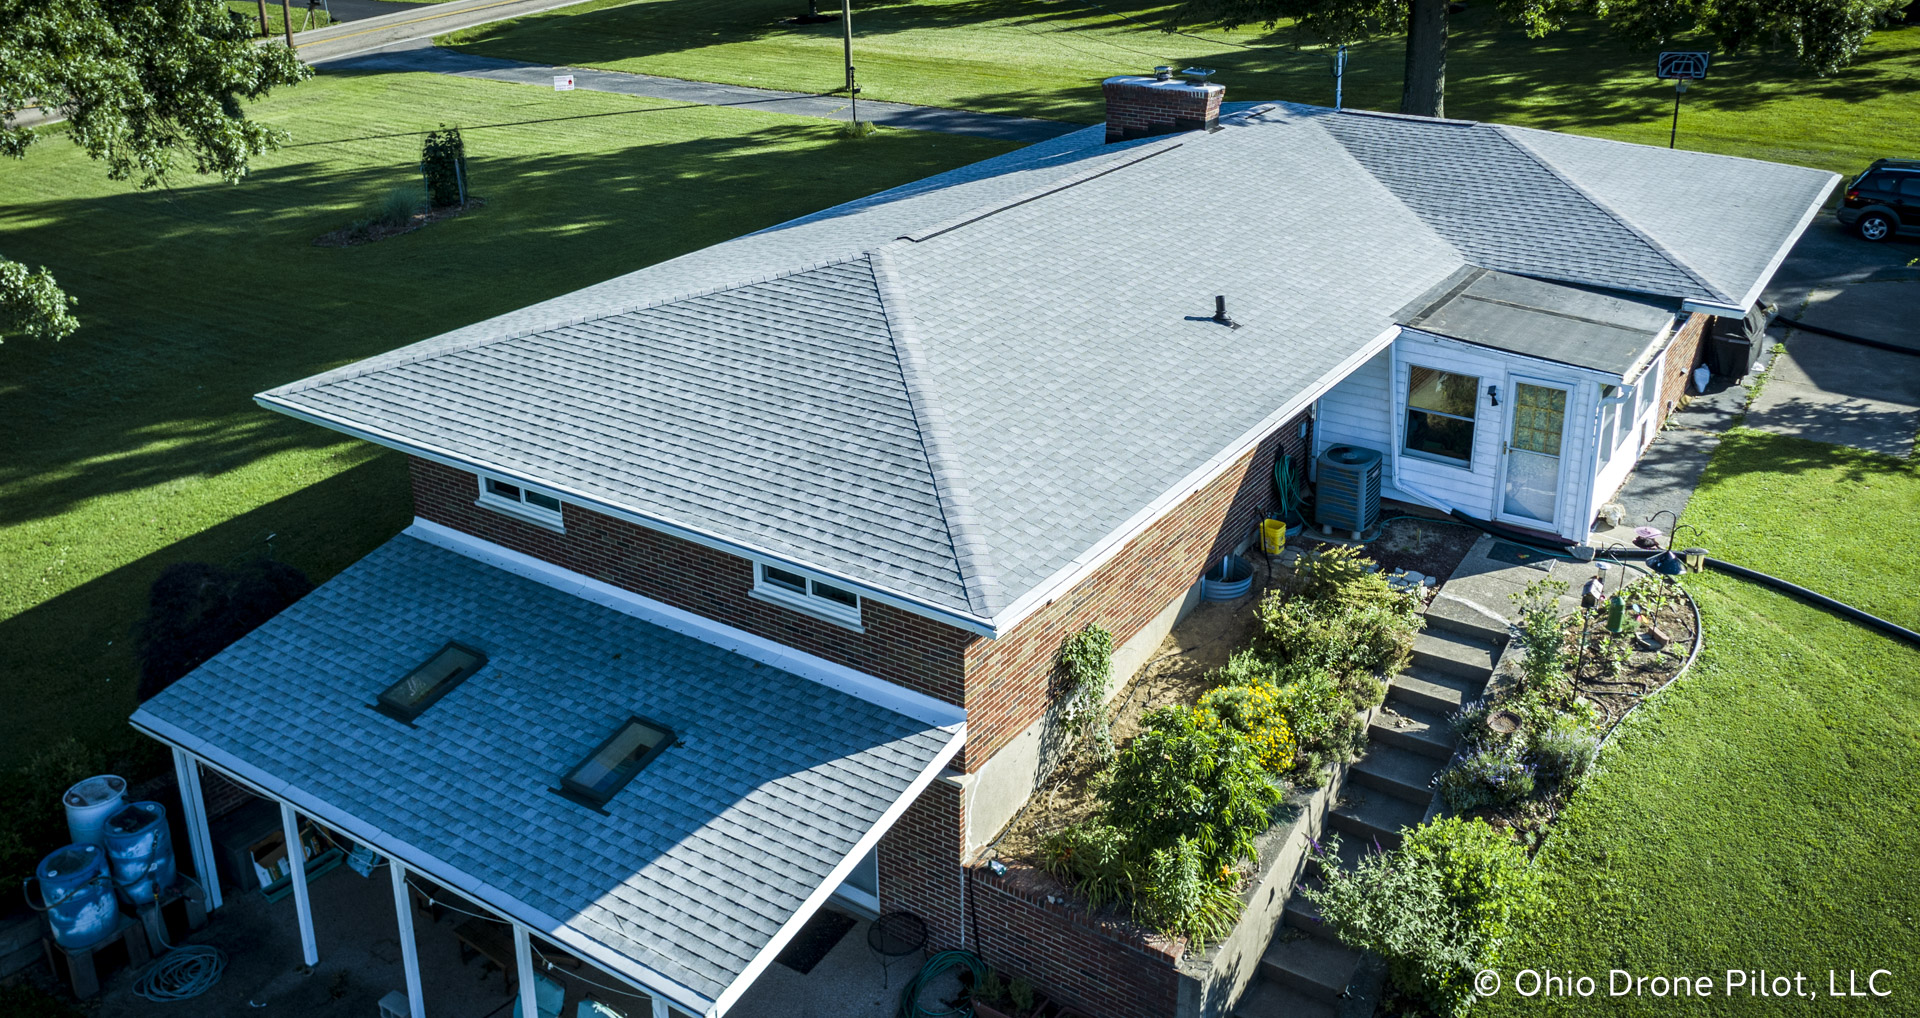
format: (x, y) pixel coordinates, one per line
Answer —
(423, 57)
(1830, 390)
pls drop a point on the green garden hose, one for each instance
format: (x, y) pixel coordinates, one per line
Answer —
(1288, 489)
(935, 967)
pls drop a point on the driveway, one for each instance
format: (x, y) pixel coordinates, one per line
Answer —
(1830, 390)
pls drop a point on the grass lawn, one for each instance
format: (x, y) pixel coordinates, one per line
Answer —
(1761, 813)
(276, 18)
(1047, 59)
(135, 443)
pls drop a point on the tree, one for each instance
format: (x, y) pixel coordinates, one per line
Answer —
(139, 84)
(1823, 35)
(196, 610)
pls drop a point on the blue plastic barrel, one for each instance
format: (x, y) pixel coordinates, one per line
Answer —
(140, 851)
(78, 895)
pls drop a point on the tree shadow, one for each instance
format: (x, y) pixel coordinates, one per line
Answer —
(193, 300)
(67, 664)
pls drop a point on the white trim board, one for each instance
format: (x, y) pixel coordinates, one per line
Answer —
(894, 697)
(514, 911)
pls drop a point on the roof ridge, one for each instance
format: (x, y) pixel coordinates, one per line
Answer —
(1037, 192)
(1505, 132)
(964, 529)
(374, 363)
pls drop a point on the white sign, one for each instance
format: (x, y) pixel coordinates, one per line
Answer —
(1683, 65)
(563, 83)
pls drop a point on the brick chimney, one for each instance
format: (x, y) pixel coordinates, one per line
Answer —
(1139, 106)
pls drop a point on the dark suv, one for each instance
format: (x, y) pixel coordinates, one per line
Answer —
(1883, 201)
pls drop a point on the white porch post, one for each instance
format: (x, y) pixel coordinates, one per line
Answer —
(409, 950)
(659, 1006)
(193, 808)
(297, 863)
(523, 958)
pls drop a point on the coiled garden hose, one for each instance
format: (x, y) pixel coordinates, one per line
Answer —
(183, 972)
(937, 966)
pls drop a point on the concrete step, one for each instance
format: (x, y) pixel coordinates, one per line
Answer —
(1434, 691)
(1377, 817)
(1408, 727)
(1351, 849)
(1456, 615)
(1304, 915)
(1454, 654)
(1316, 968)
(1268, 999)
(1397, 772)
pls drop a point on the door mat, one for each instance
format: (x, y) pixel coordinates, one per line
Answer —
(814, 940)
(1516, 555)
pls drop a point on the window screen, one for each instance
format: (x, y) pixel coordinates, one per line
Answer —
(1440, 412)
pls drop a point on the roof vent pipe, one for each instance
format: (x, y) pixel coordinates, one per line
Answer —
(1220, 312)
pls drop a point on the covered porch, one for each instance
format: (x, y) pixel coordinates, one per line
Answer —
(542, 770)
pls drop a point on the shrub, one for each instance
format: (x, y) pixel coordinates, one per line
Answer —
(443, 163)
(1182, 899)
(1327, 571)
(1085, 666)
(1255, 712)
(1247, 667)
(1097, 858)
(1188, 775)
(1485, 777)
(1562, 752)
(1365, 628)
(1438, 908)
(32, 822)
(196, 610)
(397, 207)
(1544, 667)
(1318, 711)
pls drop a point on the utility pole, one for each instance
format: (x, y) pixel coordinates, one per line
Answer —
(263, 19)
(286, 12)
(846, 26)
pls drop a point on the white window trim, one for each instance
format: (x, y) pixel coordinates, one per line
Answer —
(520, 510)
(808, 604)
(1405, 425)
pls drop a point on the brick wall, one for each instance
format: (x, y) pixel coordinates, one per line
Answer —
(898, 646)
(919, 863)
(1010, 680)
(1138, 107)
(1098, 965)
(1684, 353)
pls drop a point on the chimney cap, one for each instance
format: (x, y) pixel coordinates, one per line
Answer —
(1198, 75)
(1162, 73)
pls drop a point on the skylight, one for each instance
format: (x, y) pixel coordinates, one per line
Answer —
(615, 762)
(448, 667)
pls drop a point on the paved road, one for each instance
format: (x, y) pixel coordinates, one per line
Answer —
(413, 21)
(422, 57)
(1830, 390)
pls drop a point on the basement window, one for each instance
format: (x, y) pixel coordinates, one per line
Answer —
(516, 499)
(805, 594)
(614, 762)
(1440, 412)
(448, 667)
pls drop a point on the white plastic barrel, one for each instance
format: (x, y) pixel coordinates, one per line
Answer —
(89, 803)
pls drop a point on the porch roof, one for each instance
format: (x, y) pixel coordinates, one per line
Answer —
(1611, 333)
(686, 882)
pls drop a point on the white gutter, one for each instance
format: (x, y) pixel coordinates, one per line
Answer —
(1103, 551)
(509, 908)
(703, 538)
(513, 911)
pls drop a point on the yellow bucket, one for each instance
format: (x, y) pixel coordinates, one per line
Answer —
(1273, 536)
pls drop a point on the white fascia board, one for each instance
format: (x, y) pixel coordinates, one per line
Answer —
(871, 688)
(970, 623)
(1073, 573)
(493, 899)
(838, 875)
(1779, 256)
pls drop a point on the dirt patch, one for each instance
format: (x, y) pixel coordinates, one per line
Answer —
(1177, 673)
(369, 232)
(1433, 547)
(1659, 636)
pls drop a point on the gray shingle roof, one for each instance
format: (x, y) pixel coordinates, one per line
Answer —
(694, 865)
(954, 390)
